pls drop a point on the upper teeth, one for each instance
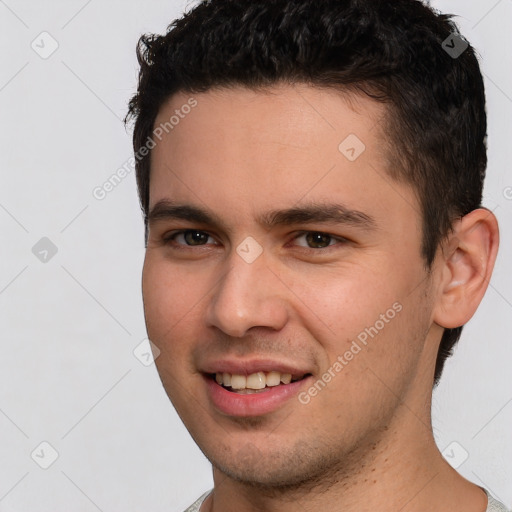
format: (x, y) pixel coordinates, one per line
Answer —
(254, 381)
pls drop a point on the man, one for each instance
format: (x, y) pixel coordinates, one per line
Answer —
(311, 177)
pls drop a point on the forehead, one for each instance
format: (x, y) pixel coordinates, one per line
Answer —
(273, 147)
(297, 115)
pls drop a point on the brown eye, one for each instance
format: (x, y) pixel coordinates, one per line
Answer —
(196, 237)
(317, 240)
(190, 237)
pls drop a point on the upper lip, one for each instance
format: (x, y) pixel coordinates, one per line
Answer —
(250, 366)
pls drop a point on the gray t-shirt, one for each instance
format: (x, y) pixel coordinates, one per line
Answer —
(493, 505)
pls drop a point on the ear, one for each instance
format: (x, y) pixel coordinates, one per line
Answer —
(467, 261)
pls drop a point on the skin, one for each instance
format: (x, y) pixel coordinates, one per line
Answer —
(364, 442)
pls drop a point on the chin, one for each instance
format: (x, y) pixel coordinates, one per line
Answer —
(274, 471)
(263, 477)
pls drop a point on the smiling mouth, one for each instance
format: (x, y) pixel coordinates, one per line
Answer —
(258, 382)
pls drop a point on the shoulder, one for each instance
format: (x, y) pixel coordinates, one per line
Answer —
(495, 506)
(197, 504)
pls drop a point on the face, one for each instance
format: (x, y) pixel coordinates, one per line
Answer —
(280, 249)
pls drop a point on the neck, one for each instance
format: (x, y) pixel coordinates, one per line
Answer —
(401, 470)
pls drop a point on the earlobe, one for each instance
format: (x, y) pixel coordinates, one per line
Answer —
(468, 261)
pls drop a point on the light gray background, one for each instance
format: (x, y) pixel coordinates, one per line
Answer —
(68, 375)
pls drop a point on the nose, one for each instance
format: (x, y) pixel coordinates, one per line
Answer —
(248, 295)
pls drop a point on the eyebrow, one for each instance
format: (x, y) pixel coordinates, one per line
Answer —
(318, 213)
(308, 214)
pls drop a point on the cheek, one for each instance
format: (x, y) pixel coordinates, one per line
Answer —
(343, 302)
(172, 300)
(367, 317)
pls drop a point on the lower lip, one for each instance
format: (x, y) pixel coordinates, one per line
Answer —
(253, 404)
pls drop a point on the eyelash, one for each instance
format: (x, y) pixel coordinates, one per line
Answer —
(170, 239)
